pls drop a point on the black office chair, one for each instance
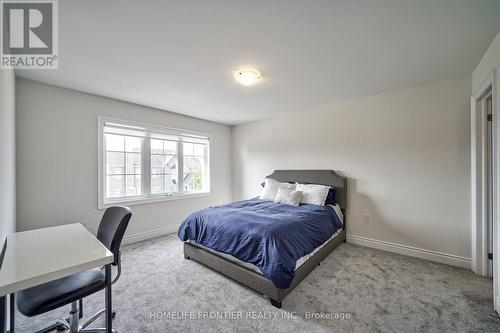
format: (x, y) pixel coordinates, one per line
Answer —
(72, 289)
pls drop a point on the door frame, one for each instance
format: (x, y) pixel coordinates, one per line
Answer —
(479, 241)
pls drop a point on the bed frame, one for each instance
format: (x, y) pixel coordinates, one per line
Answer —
(257, 281)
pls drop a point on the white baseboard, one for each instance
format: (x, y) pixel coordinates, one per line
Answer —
(443, 258)
(130, 239)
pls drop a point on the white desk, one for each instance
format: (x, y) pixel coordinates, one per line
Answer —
(38, 256)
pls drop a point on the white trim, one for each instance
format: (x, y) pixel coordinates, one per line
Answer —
(478, 220)
(100, 163)
(158, 128)
(478, 217)
(149, 234)
(180, 167)
(495, 110)
(134, 201)
(411, 251)
(487, 82)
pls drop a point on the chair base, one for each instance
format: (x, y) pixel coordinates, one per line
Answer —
(71, 324)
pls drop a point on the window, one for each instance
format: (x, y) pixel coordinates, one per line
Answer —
(146, 163)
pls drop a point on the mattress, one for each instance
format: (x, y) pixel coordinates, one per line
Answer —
(299, 262)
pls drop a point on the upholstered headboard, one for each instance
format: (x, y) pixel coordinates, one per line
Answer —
(323, 177)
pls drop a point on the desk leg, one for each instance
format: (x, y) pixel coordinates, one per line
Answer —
(12, 317)
(109, 308)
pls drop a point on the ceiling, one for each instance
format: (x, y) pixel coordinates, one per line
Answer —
(180, 56)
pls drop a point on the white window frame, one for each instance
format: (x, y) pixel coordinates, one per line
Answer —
(146, 173)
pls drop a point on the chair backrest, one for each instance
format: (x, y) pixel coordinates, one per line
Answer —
(113, 224)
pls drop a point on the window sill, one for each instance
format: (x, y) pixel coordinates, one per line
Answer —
(150, 199)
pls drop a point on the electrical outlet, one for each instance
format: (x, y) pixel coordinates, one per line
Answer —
(366, 218)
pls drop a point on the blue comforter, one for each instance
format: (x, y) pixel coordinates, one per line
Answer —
(270, 236)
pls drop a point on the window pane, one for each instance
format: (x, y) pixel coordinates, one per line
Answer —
(115, 142)
(156, 146)
(115, 163)
(157, 164)
(114, 186)
(133, 166)
(199, 150)
(170, 164)
(132, 185)
(188, 173)
(170, 178)
(164, 162)
(163, 173)
(170, 183)
(197, 179)
(193, 172)
(133, 144)
(156, 184)
(170, 147)
(198, 173)
(120, 163)
(188, 183)
(187, 148)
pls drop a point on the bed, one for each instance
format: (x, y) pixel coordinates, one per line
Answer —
(222, 237)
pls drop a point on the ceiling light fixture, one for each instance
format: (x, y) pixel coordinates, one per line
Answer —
(247, 77)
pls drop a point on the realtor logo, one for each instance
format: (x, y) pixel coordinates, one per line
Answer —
(29, 34)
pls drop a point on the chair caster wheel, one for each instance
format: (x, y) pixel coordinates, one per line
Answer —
(113, 314)
(61, 328)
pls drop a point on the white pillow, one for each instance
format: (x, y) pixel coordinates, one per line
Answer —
(313, 194)
(288, 197)
(271, 189)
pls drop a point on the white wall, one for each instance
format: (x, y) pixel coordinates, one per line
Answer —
(57, 159)
(406, 154)
(7, 154)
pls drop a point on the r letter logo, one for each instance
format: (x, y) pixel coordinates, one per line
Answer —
(29, 34)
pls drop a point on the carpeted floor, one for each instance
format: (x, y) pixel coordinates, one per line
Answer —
(356, 289)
